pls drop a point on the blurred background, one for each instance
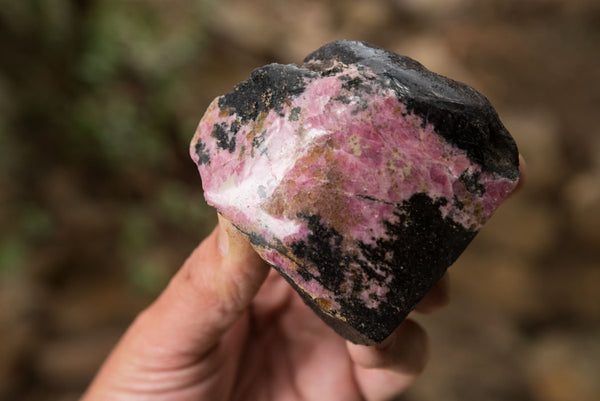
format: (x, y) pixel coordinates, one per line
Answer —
(100, 203)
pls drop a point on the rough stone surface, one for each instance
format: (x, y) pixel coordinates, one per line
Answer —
(359, 175)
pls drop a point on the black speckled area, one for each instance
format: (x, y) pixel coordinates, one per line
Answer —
(266, 88)
(225, 137)
(418, 249)
(202, 152)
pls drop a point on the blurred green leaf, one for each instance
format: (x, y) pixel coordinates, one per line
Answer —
(36, 223)
(180, 206)
(137, 232)
(12, 255)
(147, 275)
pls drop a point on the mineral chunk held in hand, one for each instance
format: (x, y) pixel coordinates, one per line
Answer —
(359, 175)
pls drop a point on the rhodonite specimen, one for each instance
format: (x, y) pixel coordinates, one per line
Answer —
(359, 175)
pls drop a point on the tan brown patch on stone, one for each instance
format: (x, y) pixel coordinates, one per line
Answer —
(323, 303)
(324, 199)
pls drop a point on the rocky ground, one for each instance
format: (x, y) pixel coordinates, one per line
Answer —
(99, 202)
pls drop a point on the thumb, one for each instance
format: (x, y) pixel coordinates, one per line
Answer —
(207, 295)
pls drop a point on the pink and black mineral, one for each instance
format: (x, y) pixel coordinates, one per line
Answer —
(359, 175)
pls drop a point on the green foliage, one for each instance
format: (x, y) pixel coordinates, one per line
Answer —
(147, 275)
(132, 51)
(180, 207)
(95, 88)
(12, 255)
(138, 232)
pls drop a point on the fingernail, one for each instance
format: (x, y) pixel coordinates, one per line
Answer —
(223, 237)
(233, 245)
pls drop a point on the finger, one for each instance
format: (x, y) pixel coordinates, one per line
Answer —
(404, 351)
(437, 297)
(388, 369)
(212, 289)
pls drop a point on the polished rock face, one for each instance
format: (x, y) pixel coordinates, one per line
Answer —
(359, 175)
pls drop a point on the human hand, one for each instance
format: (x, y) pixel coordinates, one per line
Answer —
(227, 329)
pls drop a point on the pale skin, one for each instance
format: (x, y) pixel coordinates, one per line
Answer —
(229, 328)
